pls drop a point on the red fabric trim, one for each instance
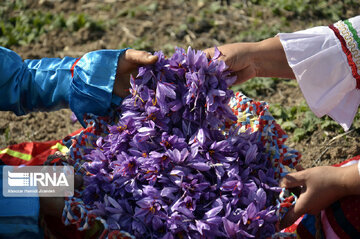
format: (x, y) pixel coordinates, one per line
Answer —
(346, 161)
(30, 147)
(348, 55)
(350, 206)
(73, 67)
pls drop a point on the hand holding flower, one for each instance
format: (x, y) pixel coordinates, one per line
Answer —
(256, 59)
(127, 64)
(321, 186)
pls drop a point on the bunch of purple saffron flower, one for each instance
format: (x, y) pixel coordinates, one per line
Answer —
(167, 169)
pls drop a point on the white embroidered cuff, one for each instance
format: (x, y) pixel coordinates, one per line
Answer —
(323, 72)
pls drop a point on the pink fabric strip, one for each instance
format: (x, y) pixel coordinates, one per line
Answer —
(329, 232)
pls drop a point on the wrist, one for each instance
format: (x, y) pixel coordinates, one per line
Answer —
(270, 59)
(255, 58)
(350, 179)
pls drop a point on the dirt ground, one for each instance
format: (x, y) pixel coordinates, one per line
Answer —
(153, 28)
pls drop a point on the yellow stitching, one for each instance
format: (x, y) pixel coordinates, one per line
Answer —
(352, 45)
(357, 56)
(348, 37)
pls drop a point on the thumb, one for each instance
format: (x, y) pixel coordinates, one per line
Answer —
(209, 52)
(140, 57)
(292, 180)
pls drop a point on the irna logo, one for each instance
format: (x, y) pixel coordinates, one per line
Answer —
(44, 179)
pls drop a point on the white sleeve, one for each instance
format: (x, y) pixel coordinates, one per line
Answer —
(326, 63)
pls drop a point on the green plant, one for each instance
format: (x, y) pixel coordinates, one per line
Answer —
(301, 122)
(135, 11)
(256, 86)
(26, 27)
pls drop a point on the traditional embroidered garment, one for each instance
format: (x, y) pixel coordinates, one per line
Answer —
(326, 63)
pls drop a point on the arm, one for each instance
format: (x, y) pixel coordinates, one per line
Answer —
(270, 59)
(256, 59)
(324, 60)
(320, 187)
(86, 84)
(33, 84)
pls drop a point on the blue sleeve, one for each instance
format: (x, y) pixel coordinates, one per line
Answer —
(92, 85)
(18, 215)
(53, 83)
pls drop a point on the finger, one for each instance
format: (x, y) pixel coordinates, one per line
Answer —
(244, 75)
(140, 57)
(294, 212)
(292, 180)
(289, 218)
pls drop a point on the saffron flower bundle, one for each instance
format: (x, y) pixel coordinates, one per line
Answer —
(172, 167)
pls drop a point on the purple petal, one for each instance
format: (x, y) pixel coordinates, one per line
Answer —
(201, 136)
(113, 202)
(200, 166)
(230, 228)
(213, 212)
(251, 210)
(261, 198)
(217, 53)
(251, 153)
(201, 226)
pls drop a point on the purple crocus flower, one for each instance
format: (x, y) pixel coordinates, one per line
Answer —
(172, 142)
(234, 186)
(166, 169)
(150, 210)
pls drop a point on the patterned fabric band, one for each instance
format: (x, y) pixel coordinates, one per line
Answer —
(349, 39)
